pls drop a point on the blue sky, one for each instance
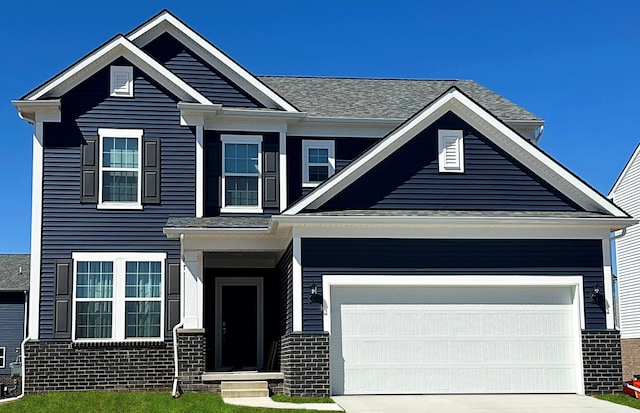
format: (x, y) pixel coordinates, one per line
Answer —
(574, 64)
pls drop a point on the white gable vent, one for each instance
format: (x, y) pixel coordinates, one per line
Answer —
(122, 81)
(450, 151)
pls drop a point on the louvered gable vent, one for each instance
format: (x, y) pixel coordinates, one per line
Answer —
(122, 81)
(450, 151)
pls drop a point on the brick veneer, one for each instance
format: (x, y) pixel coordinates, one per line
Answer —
(602, 361)
(191, 360)
(630, 357)
(305, 364)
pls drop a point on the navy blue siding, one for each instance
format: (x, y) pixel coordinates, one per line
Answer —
(285, 274)
(200, 75)
(452, 256)
(69, 226)
(409, 179)
(11, 326)
(347, 149)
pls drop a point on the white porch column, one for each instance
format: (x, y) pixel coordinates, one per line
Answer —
(192, 289)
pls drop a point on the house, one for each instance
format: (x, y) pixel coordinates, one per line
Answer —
(626, 194)
(14, 292)
(195, 224)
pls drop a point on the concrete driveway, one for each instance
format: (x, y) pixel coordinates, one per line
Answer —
(532, 403)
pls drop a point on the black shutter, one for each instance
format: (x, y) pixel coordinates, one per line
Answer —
(172, 295)
(89, 174)
(151, 171)
(270, 181)
(212, 177)
(63, 289)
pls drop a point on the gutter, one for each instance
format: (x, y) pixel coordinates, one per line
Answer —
(618, 236)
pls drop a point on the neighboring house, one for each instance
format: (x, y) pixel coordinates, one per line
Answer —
(626, 194)
(14, 292)
(322, 235)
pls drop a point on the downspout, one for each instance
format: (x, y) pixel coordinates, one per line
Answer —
(620, 235)
(175, 392)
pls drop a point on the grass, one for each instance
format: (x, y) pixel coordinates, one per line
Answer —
(126, 402)
(281, 398)
(623, 399)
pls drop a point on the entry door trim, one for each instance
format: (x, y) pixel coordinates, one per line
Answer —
(231, 282)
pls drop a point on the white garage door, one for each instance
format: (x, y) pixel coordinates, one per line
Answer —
(411, 340)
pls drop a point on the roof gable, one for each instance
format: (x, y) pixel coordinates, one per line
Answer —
(633, 162)
(165, 22)
(117, 47)
(409, 179)
(486, 124)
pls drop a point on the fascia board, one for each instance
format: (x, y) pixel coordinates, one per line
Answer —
(119, 46)
(38, 110)
(509, 140)
(212, 55)
(634, 158)
(176, 232)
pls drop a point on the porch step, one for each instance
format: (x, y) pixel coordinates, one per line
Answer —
(244, 389)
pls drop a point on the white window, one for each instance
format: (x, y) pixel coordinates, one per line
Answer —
(118, 296)
(242, 173)
(450, 151)
(122, 81)
(120, 164)
(318, 161)
(3, 357)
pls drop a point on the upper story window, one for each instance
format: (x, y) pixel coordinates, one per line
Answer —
(450, 151)
(120, 164)
(242, 173)
(118, 296)
(318, 161)
(121, 81)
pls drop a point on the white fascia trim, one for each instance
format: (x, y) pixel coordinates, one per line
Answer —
(327, 220)
(329, 281)
(505, 137)
(634, 157)
(212, 55)
(119, 46)
(176, 232)
(44, 110)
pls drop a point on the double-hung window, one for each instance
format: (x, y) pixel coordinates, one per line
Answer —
(242, 173)
(118, 296)
(318, 161)
(3, 357)
(120, 164)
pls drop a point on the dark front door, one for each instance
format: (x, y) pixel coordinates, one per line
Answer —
(239, 325)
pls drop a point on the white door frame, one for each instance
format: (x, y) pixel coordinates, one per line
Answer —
(239, 281)
(468, 281)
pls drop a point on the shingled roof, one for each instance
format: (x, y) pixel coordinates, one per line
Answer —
(14, 272)
(383, 98)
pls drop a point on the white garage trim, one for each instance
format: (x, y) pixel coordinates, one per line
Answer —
(468, 281)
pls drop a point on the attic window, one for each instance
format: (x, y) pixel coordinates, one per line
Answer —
(450, 151)
(122, 81)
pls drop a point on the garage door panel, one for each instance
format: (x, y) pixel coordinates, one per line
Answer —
(398, 347)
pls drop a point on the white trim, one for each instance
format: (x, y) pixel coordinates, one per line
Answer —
(330, 146)
(199, 171)
(192, 287)
(297, 283)
(119, 46)
(241, 139)
(608, 283)
(282, 163)
(119, 133)
(36, 230)
(166, 22)
(3, 357)
(258, 282)
(125, 90)
(450, 151)
(118, 298)
(623, 174)
(481, 120)
(576, 282)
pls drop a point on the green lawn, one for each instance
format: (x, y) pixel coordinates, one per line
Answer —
(288, 399)
(125, 402)
(620, 399)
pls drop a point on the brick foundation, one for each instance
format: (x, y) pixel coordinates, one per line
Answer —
(630, 357)
(602, 361)
(305, 364)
